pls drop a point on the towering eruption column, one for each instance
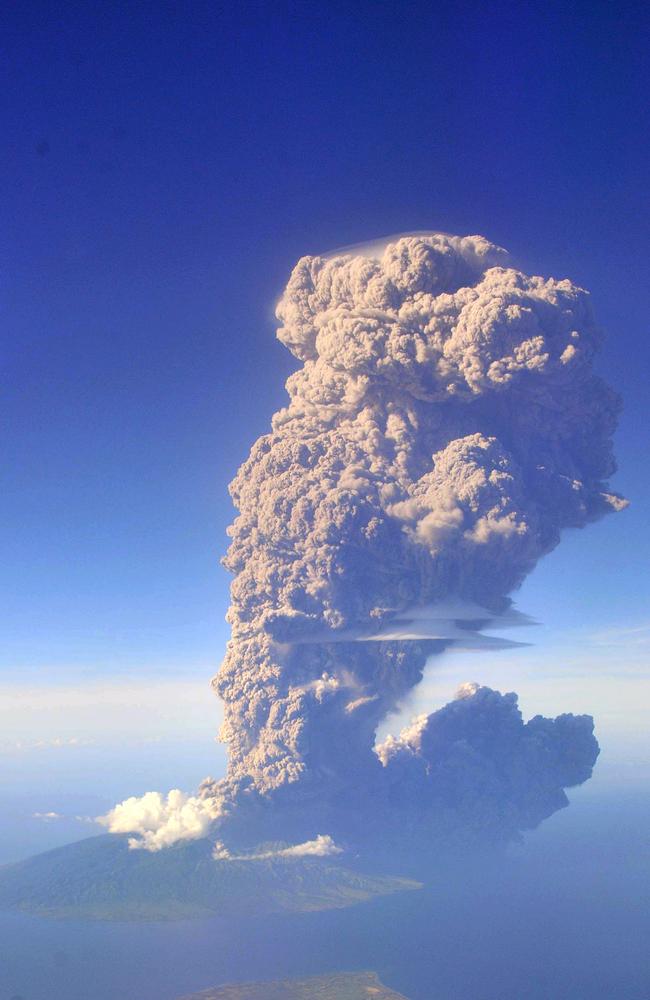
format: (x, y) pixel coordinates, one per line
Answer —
(444, 426)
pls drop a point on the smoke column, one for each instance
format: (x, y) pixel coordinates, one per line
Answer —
(443, 427)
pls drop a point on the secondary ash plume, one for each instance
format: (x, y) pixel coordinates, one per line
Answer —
(476, 769)
(443, 427)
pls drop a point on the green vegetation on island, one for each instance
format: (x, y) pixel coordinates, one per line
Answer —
(102, 879)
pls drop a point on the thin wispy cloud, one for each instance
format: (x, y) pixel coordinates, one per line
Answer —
(52, 816)
(54, 743)
(634, 636)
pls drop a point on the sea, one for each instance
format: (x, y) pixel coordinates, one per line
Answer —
(563, 916)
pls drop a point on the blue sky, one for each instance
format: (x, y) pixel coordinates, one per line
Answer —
(163, 169)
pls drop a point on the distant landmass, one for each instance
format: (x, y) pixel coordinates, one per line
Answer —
(342, 986)
(101, 879)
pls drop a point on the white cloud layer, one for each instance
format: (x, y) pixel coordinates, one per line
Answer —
(54, 743)
(322, 846)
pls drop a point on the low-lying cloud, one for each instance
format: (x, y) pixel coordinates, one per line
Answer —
(322, 846)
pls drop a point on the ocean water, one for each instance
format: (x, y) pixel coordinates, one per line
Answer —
(565, 916)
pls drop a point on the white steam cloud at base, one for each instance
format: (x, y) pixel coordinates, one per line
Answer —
(159, 821)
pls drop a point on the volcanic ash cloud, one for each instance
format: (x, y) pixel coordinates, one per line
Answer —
(444, 426)
(442, 429)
